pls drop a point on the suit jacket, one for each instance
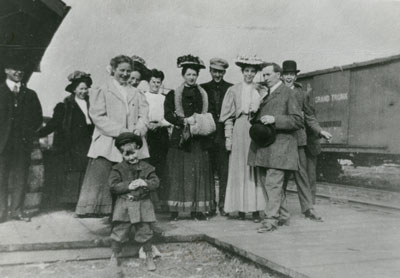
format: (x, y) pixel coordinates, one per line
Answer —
(72, 135)
(216, 93)
(110, 117)
(283, 153)
(122, 174)
(308, 114)
(31, 115)
(313, 131)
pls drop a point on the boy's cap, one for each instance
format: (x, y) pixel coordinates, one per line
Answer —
(126, 138)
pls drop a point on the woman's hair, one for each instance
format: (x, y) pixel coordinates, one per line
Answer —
(76, 83)
(193, 67)
(119, 60)
(256, 67)
(157, 74)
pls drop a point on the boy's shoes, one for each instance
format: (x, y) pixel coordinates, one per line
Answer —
(114, 261)
(114, 267)
(151, 266)
(156, 253)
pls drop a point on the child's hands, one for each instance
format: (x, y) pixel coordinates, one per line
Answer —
(136, 184)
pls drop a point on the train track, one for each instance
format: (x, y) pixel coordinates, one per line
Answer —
(383, 199)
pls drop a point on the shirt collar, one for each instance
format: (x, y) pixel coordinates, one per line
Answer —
(273, 88)
(11, 84)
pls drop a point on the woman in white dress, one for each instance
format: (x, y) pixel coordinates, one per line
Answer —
(240, 103)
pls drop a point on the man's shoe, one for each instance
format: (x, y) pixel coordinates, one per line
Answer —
(151, 266)
(21, 217)
(312, 215)
(283, 222)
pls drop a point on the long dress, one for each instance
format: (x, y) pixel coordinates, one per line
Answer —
(114, 109)
(242, 194)
(189, 182)
(72, 136)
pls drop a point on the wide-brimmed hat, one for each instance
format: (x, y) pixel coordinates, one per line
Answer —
(190, 60)
(219, 64)
(243, 61)
(77, 77)
(139, 64)
(289, 66)
(126, 138)
(262, 135)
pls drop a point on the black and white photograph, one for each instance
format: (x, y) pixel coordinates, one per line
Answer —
(200, 138)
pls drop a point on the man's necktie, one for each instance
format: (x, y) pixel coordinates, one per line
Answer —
(15, 91)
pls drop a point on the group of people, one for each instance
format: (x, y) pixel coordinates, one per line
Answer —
(252, 135)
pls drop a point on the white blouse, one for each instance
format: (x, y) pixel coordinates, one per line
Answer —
(83, 106)
(156, 108)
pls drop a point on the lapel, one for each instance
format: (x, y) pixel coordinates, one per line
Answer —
(21, 95)
(114, 90)
(274, 94)
(132, 92)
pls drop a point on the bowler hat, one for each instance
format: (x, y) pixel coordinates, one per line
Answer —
(218, 64)
(262, 135)
(15, 65)
(289, 66)
(126, 138)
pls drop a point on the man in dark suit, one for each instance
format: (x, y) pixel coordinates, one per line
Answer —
(305, 189)
(216, 90)
(280, 109)
(20, 117)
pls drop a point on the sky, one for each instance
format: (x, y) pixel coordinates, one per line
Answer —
(317, 34)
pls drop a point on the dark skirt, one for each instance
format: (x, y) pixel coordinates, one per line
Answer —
(71, 187)
(95, 197)
(189, 181)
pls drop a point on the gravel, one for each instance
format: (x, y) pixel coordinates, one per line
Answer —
(188, 260)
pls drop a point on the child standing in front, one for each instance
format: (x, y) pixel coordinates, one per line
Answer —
(131, 182)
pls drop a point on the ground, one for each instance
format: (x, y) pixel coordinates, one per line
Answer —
(179, 260)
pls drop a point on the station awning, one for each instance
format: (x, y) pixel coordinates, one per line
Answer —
(26, 30)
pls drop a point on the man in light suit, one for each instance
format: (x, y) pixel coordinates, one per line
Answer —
(280, 109)
(20, 117)
(308, 137)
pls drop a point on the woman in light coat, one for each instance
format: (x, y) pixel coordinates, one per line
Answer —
(116, 107)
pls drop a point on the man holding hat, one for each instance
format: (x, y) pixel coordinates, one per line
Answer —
(20, 117)
(278, 108)
(216, 90)
(304, 188)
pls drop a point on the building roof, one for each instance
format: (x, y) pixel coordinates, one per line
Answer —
(373, 62)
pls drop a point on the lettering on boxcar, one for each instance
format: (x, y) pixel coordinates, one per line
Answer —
(329, 98)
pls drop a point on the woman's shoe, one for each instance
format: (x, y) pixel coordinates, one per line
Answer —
(242, 215)
(256, 217)
(174, 216)
(201, 216)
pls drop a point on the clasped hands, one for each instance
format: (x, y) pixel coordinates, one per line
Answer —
(267, 119)
(137, 183)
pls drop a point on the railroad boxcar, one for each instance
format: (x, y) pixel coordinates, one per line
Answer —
(359, 104)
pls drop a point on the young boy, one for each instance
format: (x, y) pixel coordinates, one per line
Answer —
(131, 181)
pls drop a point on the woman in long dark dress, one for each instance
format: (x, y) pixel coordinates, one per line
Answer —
(189, 180)
(73, 131)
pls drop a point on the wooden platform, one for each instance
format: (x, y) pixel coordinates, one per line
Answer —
(353, 241)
